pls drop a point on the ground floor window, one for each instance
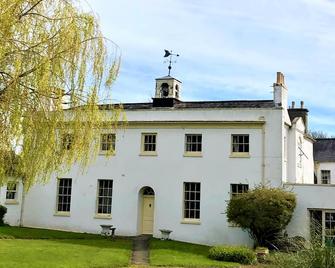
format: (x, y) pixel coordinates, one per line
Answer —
(323, 226)
(237, 189)
(64, 195)
(105, 191)
(11, 192)
(192, 200)
(325, 176)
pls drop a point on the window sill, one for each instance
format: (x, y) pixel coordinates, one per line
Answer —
(148, 154)
(103, 216)
(239, 155)
(62, 214)
(11, 202)
(192, 154)
(191, 221)
(106, 153)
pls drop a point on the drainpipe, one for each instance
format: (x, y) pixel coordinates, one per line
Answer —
(263, 154)
(22, 204)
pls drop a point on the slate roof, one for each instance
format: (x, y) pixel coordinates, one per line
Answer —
(266, 104)
(324, 150)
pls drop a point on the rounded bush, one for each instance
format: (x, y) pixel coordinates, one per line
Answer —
(3, 211)
(238, 254)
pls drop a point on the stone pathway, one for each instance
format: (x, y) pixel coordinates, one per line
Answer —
(140, 254)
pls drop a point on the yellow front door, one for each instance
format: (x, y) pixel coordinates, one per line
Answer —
(148, 214)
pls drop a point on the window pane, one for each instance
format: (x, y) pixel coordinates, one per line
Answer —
(237, 189)
(191, 200)
(149, 142)
(105, 191)
(64, 194)
(193, 142)
(240, 143)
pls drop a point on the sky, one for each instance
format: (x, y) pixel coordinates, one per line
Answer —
(229, 50)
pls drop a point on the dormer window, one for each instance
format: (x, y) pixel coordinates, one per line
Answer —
(165, 90)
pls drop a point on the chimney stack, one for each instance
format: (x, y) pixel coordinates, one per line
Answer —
(280, 78)
(299, 112)
(280, 91)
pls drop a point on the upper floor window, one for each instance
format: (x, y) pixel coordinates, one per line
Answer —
(325, 176)
(104, 202)
(240, 143)
(237, 189)
(193, 143)
(67, 141)
(64, 195)
(149, 143)
(192, 200)
(11, 192)
(107, 142)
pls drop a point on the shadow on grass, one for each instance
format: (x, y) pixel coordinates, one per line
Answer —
(36, 233)
(179, 246)
(83, 239)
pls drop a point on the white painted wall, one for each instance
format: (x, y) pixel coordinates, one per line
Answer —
(165, 173)
(300, 165)
(12, 216)
(309, 196)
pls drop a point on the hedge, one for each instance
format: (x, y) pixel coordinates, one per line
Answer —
(238, 254)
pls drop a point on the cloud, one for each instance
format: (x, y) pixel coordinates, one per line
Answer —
(229, 49)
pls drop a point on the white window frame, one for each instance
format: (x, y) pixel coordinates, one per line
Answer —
(143, 144)
(238, 153)
(191, 220)
(323, 176)
(101, 214)
(242, 186)
(191, 153)
(63, 212)
(12, 191)
(323, 231)
(111, 145)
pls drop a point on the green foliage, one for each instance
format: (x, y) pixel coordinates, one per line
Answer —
(291, 244)
(53, 57)
(65, 253)
(50, 248)
(238, 254)
(3, 211)
(314, 257)
(181, 254)
(263, 212)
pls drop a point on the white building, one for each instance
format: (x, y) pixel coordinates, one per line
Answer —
(175, 166)
(324, 157)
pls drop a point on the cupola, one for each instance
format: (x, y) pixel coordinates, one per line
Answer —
(168, 87)
(167, 91)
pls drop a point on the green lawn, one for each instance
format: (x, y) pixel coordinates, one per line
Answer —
(38, 248)
(179, 254)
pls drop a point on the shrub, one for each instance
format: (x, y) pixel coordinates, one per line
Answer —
(238, 254)
(3, 211)
(291, 244)
(263, 212)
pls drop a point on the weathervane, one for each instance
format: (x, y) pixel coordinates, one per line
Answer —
(170, 54)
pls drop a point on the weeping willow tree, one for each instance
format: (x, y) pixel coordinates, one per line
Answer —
(55, 66)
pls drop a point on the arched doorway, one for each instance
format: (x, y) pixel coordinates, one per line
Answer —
(147, 195)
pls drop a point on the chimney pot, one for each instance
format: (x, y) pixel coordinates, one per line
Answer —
(302, 104)
(293, 104)
(280, 78)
